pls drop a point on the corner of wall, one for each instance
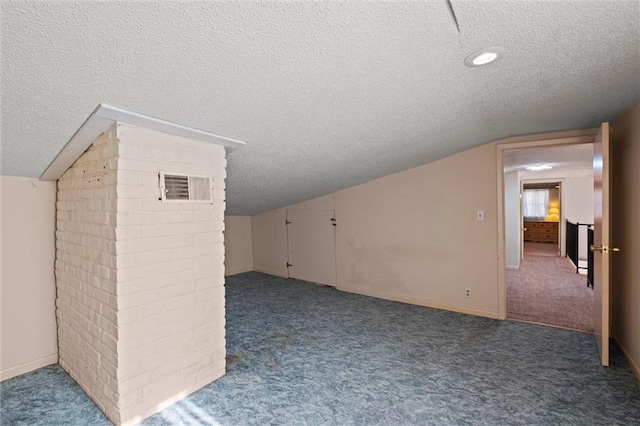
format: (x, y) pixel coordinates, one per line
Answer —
(27, 280)
(238, 245)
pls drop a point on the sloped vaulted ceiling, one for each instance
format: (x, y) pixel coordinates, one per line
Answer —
(326, 95)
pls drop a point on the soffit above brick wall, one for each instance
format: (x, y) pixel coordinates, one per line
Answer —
(327, 95)
(103, 117)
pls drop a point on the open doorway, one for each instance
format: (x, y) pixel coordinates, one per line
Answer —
(540, 217)
(546, 189)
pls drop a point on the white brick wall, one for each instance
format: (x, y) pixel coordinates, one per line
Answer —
(140, 282)
(86, 273)
(170, 273)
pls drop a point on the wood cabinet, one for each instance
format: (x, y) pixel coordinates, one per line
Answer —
(541, 232)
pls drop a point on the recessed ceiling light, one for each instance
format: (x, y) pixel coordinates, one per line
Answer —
(538, 167)
(484, 56)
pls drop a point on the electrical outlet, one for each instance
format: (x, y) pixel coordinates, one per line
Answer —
(467, 292)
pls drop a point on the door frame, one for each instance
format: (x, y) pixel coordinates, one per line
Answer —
(574, 137)
(561, 224)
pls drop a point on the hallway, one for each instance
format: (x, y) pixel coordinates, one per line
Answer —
(547, 290)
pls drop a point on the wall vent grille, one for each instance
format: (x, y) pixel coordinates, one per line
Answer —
(185, 189)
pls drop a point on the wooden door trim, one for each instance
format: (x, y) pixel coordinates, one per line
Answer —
(574, 137)
(602, 236)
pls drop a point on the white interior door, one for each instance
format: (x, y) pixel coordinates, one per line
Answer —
(600, 247)
(312, 245)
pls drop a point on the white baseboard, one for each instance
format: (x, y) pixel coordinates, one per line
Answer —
(28, 367)
(421, 302)
(632, 364)
(512, 267)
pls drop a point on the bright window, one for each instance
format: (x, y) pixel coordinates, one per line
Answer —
(535, 203)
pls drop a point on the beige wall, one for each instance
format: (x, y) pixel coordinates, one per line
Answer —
(626, 235)
(27, 282)
(269, 235)
(411, 236)
(269, 242)
(325, 202)
(238, 256)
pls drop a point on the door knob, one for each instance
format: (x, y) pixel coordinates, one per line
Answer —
(604, 249)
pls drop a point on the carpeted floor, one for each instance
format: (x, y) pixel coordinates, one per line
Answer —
(305, 354)
(547, 290)
(541, 249)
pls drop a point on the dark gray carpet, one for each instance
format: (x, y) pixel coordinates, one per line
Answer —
(305, 354)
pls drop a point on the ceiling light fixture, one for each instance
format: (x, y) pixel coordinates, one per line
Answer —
(539, 167)
(484, 56)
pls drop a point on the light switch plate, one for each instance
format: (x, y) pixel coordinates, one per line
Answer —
(480, 215)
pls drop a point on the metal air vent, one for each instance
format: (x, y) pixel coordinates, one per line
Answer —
(185, 189)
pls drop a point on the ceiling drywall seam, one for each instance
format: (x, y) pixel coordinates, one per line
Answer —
(453, 15)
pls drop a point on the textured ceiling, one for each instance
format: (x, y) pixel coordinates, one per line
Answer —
(558, 157)
(326, 94)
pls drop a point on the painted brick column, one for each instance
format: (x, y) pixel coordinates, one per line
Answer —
(86, 273)
(170, 273)
(140, 282)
